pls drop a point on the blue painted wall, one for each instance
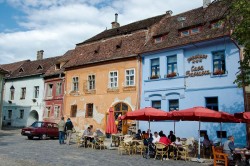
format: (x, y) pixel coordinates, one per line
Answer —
(192, 91)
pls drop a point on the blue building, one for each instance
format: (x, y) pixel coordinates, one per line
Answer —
(190, 60)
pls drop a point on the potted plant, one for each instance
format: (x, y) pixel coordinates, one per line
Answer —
(219, 72)
(154, 77)
(173, 74)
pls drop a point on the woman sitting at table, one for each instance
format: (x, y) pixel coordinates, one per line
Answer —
(144, 135)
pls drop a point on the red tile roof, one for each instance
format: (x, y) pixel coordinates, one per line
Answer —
(196, 17)
(31, 68)
(11, 67)
(2, 71)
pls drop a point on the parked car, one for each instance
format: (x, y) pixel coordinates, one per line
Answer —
(41, 130)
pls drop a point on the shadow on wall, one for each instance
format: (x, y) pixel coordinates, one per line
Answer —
(238, 130)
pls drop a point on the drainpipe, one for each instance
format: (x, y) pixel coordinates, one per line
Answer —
(244, 91)
(1, 103)
(139, 86)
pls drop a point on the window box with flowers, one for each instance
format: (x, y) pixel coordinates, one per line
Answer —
(219, 72)
(173, 74)
(154, 77)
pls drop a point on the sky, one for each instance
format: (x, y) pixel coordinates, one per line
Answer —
(55, 26)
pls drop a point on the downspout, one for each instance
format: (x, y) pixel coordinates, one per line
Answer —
(139, 73)
(1, 103)
(244, 91)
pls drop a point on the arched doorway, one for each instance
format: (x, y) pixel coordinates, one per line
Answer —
(33, 116)
(119, 110)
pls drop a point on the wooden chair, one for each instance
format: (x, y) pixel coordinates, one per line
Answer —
(161, 150)
(219, 156)
(99, 142)
(79, 140)
(138, 146)
(182, 152)
(125, 147)
(115, 140)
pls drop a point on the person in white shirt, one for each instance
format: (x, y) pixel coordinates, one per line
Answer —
(156, 137)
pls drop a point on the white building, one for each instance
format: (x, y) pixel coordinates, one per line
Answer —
(23, 92)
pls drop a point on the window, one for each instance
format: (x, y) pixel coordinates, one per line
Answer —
(173, 105)
(219, 62)
(36, 91)
(218, 24)
(130, 77)
(73, 111)
(21, 70)
(57, 67)
(155, 67)
(21, 114)
(12, 92)
(9, 114)
(89, 110)
(172, 64)
(58, 88)
(113, 79)
(39, 67)
(75, 84)
(156, 104)
(48, 110)
(23, 93)
(91, 82)
(212, 103)
(190, 31)
(56, 111)
(49, 90)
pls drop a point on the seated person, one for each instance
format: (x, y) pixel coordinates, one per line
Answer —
(164, 140)
(171, 136)
(206, 141)
(138, 135)
(87, 133)
(178, 142)
(144, 135)
(149, 140)
(156, 137)
(229, 149)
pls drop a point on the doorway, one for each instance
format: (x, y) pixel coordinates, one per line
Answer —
(119, 110)
(33, 117)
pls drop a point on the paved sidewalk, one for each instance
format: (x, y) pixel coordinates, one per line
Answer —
(17, 150)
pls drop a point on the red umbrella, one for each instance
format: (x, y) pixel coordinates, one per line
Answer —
(203, 114)
(243, 115)
(148, 114)
(111, 127)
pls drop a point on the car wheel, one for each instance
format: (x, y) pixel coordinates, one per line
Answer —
(30, 137)
(43, 137)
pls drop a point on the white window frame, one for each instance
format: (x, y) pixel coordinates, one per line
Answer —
(75, 84)
(47, 113)
(36, 92)
(117, 78)
(92, 82)
(58, 88)
(129, 77)
(57, 114)
(49, 90)
(23, 93)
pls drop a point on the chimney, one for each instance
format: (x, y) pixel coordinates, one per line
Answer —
(115, 24)
(39, 55)
(169, 13)
(206, 3)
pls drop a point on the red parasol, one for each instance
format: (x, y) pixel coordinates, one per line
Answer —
(111, 127)
(243, 115)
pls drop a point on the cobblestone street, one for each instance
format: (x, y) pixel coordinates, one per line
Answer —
(17, 150)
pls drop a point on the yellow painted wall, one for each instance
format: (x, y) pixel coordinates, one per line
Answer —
(102, 99)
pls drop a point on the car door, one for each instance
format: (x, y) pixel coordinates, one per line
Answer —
(50, 130)
(55, 132)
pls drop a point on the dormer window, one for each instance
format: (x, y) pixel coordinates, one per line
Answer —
(190, 31)
(58, 66)
(119, 45)
(39, 67)
(21, 70)
(217, 24)
(159, 38)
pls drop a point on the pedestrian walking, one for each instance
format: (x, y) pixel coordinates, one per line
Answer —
(68, 128)
(61, 126)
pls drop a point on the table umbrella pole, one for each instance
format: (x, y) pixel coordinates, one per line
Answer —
(220, 133)
(174, 126)
(199, 143)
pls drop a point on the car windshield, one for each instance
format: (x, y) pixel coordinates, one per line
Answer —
(37, 124)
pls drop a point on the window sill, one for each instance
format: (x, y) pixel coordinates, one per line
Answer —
(74, 93)
(166, 78)
(129, 88)
(88, 116)
(219, 75)
(90, 91)
(112, 90)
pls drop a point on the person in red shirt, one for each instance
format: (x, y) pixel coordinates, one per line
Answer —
(164, 139)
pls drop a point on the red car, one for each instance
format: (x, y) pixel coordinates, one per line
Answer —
(41, 130)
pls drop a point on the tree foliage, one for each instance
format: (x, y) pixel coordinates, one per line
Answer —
(238, 17)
